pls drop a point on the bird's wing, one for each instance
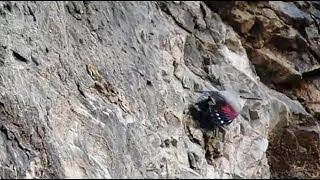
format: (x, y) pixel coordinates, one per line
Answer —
(214, 94)
(229, 112)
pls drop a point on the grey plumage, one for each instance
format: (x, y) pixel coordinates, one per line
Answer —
(229, 96)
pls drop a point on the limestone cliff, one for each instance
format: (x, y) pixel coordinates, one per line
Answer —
(103, 89)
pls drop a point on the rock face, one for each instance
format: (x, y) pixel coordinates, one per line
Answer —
(103, 89)
(283, 45)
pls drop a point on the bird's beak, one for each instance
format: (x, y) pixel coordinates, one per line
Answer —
(251, 98)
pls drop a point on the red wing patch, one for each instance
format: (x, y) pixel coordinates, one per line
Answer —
(229, 112)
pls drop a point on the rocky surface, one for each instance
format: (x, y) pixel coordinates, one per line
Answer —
(103, 89)
(283, 42)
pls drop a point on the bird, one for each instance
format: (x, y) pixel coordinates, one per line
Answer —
(220, 108)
